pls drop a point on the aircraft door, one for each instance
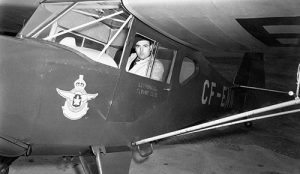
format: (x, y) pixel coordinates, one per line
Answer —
(145, 80)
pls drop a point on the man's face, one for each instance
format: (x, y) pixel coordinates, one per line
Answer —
(143, 49)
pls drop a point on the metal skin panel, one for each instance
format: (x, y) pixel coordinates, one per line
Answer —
(31, 108)
(21, 76)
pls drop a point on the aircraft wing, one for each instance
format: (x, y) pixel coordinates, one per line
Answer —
(228, 26)
(270, 26)
(226, 29)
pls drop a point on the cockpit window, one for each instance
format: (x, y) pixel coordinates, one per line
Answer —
(150, 59)
(96, 29)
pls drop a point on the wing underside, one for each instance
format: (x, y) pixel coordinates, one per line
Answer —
(225, 26)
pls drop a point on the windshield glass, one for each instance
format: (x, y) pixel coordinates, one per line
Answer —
(97, 29)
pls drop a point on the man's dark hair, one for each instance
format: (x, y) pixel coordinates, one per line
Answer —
(139, 38)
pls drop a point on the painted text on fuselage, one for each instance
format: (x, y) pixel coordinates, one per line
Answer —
(212, 93)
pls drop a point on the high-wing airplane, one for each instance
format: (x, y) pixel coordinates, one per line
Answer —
(65, 89)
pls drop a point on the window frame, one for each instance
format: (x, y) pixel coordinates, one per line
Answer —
(156, 45)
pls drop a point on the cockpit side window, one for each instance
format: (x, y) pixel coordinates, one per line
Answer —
(150, 60)
(188, 68)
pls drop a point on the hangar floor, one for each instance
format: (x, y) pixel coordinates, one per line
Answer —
(271, 146)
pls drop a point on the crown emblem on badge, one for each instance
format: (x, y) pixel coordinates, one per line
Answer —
(76, 105)
(80, 83)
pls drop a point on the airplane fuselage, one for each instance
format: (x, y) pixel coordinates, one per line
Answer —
(33, 111)
(63, 91)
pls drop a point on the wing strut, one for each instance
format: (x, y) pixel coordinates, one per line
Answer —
(230, 120)
(245, 120)
(298, 82)
(290, 93)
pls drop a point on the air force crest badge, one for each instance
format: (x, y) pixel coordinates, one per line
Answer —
(76, 105)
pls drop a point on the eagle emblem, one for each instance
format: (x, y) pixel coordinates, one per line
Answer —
(76, 105)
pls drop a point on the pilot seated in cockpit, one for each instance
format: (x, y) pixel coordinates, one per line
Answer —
(142, 62)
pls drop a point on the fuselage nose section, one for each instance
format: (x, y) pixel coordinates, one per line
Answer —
(37, 79)
(20, 79)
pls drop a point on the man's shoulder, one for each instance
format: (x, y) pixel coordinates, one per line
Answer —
(158, 64)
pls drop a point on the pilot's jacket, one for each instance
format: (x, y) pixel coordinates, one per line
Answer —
(141, 67)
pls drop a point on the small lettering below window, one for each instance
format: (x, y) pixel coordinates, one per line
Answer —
(188, 68)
